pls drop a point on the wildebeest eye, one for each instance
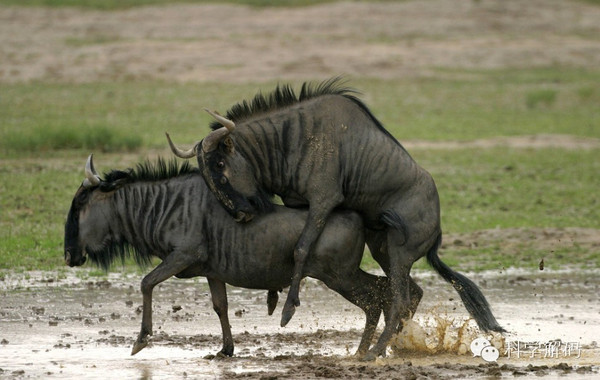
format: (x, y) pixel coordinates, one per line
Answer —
(223, 180)
(220, 164)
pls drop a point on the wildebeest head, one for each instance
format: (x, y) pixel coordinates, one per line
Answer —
(227, 173)
(85, 230)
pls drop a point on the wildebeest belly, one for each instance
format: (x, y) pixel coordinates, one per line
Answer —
(260, 254)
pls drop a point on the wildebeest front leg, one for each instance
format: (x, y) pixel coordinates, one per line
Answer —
(170, 266)
(218, 293)
(371, 294)
(315, 223)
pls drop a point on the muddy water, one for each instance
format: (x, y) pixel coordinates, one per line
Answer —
(66, 327)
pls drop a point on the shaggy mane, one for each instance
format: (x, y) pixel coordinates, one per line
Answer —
(147, 172)
(284, 96)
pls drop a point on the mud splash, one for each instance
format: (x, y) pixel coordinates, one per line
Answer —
(435, 334)
(61, 326)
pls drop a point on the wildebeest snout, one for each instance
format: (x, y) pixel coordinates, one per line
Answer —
(73, 262)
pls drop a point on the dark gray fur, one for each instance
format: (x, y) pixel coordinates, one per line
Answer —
(325, 149)
(167, 211)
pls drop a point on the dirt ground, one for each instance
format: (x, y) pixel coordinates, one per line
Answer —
(238, 44)
(60, 326)
(63, 326)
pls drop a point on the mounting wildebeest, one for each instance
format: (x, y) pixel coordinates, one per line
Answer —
(325, 149)
(165, 210)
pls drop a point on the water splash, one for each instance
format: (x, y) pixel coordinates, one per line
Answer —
(434, 333)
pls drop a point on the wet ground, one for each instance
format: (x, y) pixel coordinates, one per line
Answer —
(57, 326)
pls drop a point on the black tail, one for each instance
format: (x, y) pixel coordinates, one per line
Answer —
(470, 294)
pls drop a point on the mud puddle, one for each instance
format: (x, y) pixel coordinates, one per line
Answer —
(63, 327)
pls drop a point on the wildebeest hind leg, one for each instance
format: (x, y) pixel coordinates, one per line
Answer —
(377, 242)
(400, 260)
(415, 293)
(367, 291)
(372, 302)
(171, 265)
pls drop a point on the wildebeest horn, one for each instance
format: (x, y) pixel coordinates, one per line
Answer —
(91, 177)
(180, 152)
(230, 125)
(211, 141)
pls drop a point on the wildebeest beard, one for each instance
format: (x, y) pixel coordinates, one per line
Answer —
(121, 250)
(74, 254)
(262, 201)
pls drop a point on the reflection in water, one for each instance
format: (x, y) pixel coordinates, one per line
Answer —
(145, 373)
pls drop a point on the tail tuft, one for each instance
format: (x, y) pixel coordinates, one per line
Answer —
(471, 296)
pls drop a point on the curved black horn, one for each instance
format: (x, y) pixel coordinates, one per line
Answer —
(91, 177)
(211, 141)
(180, 152)
(230, 125)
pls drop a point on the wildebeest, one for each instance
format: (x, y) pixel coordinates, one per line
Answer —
(325, 149)
(166, 211)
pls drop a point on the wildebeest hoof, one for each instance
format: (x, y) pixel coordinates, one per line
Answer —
(139, 346)
(223, 355)
(287, 314)
(218, 356)
(372, 354)
(358, 355)
(368, 357)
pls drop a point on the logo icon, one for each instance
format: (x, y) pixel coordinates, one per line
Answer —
(482, 347)
(490, 354)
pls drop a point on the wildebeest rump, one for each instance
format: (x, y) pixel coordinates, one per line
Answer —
(325, 149)
(165, 210)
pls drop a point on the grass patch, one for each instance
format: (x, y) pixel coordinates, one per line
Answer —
(455, 105)
(543, 97)
(48, 129)
(497, 256)
(466, 105)
(504, 187)
(98, 138)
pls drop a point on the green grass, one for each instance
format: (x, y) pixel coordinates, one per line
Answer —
(504, 187)
(455, 105)
(466, 105)
(53, 137)
(47, 130)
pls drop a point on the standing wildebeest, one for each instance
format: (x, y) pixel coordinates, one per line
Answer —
(167, 211)
(325, 149)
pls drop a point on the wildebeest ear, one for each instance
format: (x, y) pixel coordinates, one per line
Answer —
(228, 145)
